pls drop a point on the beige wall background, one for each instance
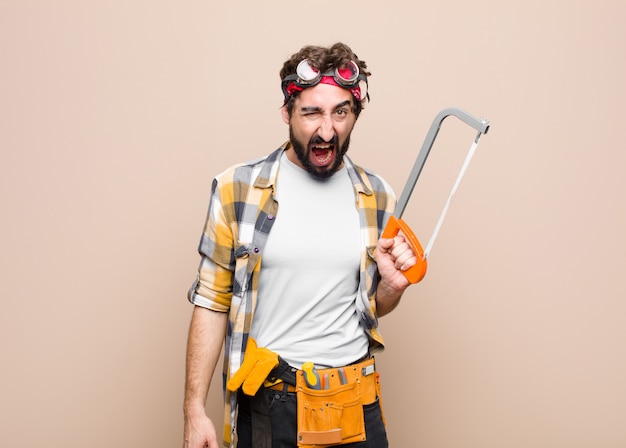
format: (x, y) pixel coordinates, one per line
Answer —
(114, 116)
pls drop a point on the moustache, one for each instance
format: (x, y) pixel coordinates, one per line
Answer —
(317, 140)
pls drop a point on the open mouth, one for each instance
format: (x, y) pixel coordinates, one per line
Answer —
(322, 154)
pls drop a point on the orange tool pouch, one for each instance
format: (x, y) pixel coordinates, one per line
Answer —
(333, 414)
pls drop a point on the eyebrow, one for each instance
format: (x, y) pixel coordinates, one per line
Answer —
(307, 109)
(311, 109)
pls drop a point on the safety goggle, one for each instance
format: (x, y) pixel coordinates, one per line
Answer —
(307, 75)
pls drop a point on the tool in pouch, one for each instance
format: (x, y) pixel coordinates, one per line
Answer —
(313, 381)
(396, 225)
(311, 377)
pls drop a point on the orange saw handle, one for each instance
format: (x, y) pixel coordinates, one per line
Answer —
(416, 272)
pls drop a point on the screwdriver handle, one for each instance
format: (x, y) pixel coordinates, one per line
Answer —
(311, 377)
(416, 272)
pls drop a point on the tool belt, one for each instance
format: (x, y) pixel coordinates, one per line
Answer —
(329, 412)
(332, 413)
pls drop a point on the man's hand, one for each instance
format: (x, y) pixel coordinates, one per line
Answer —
(393, 256)
(199, 432)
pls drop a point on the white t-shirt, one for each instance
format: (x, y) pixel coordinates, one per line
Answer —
(309, 272)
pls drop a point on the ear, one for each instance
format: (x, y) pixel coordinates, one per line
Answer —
(285, 114)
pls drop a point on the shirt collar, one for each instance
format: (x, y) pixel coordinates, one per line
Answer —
(269, 171)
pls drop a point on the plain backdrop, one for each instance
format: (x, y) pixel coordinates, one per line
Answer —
(115, 115)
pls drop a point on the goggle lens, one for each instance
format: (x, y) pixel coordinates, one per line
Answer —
(347, 75)
(306, 72)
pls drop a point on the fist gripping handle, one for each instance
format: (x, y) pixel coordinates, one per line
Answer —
(416, 272)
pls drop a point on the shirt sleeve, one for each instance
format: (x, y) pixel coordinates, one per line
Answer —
(213, 287)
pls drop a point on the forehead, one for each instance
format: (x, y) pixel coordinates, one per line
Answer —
(324, 96)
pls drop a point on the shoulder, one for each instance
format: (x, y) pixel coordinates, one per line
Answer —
(378, 183)
(370, 180)
(251, 172)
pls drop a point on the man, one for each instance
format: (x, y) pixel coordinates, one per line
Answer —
(294, 276)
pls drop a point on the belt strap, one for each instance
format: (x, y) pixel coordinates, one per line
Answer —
(283, 387)
(283, 371)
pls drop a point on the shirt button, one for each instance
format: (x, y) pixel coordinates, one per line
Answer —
(256, 250)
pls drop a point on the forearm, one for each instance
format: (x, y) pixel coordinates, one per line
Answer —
(387, 298)
(206, 336)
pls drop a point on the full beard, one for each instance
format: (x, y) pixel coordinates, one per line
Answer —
(304, 155)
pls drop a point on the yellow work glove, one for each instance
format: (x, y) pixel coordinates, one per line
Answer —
(257, 365)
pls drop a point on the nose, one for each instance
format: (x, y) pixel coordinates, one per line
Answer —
(326, 130)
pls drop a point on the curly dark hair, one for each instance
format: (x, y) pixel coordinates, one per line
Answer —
(323, 58)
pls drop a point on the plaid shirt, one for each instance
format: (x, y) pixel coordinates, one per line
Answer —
(241, 212)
